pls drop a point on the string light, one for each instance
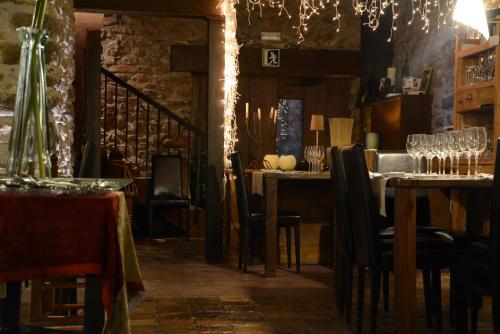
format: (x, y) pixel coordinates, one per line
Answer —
(231, 71)
(373, 10)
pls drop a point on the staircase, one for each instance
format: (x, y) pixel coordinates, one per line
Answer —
(138, 127)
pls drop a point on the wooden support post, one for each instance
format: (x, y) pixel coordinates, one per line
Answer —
(405, 260)
(214, 251)
(93, 100)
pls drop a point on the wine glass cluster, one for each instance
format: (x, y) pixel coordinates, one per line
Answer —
(453, 145)
(314, 155)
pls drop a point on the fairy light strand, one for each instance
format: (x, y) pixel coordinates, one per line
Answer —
(373, 10)
(231, 71)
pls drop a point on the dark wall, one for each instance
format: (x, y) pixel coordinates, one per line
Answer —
(376, 52)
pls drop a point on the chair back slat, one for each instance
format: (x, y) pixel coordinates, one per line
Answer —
(366, 238)
(167, 176)
(495, 226)
(242, 194)
(343, 228)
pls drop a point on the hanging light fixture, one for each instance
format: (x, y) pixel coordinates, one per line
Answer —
(472, 14)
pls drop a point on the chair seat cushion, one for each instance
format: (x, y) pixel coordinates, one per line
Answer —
(436, 248)
(169, 201)
(285, 218)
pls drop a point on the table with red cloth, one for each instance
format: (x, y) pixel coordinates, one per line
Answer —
(47, 235)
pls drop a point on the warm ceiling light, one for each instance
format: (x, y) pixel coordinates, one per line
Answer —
(472, 13)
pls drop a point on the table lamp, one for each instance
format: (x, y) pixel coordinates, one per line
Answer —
(317, 124)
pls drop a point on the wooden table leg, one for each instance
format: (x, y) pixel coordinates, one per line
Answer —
(405, 267)
(94, 308)
(10, 308)
(271, 189)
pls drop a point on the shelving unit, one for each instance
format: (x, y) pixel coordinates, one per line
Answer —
(478, 104)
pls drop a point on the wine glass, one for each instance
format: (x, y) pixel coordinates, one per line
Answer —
(452, 148)
(472, 144)
(429, 152)
(481, 136)
(444, 149)
(410, 149)
(307, 156)
(321, 157)
(315, 158)
(420, 148)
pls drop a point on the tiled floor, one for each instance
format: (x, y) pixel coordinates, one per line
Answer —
(184, 295)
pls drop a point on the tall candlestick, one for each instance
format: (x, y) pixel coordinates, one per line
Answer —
(247, 108)
(271, 113)
(259, 115)
(275, 115)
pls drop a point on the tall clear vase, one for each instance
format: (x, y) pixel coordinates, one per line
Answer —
(29, 145)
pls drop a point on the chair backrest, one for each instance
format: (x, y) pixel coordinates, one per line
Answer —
(166, 176)
(343, 228)
(88, 160)
(242, 194)
(495, 225)
(362, 206)
(392, 161)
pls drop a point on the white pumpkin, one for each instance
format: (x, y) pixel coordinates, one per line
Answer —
(271, 161)
(287, 162)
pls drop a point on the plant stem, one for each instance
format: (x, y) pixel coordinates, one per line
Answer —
(35, 83)
(39, 14)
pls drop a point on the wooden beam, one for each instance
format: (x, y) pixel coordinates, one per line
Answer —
(186, 8)
(295, 63)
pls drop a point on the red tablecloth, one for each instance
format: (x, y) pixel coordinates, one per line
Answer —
(54, 236)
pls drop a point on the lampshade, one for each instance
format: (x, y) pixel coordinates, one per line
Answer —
(317, 123)
(472, 13)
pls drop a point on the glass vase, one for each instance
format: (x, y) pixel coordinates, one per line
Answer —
(29, 145)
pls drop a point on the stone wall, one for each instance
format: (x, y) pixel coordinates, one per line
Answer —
(137, 49)
(60, 70)
(435, 49)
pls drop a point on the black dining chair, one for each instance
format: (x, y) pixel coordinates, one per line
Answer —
(250, 221)
(166, 188)
(374, 249)
(473, 277)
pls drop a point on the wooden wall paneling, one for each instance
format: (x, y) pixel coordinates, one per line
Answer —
(292, 89)
(295, 63)
(263, 94)
(243, 144)
(302, 63)
(315, 102)
(339, 96)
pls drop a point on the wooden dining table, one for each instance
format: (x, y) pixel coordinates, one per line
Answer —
(49, 234)
(405, 303)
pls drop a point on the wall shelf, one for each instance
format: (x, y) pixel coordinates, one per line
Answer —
(474, 50)
(477, 104)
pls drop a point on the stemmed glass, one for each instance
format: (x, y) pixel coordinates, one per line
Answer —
(321, 156)
(439, 147)
(453, 148)
(410, 149)
(420, 148)
(479, 134)
(472, 144)
(307, 156)
(429, 153)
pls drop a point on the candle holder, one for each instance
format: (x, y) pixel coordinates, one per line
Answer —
(260, 130)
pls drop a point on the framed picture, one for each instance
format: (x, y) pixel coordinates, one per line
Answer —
(426, 80)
